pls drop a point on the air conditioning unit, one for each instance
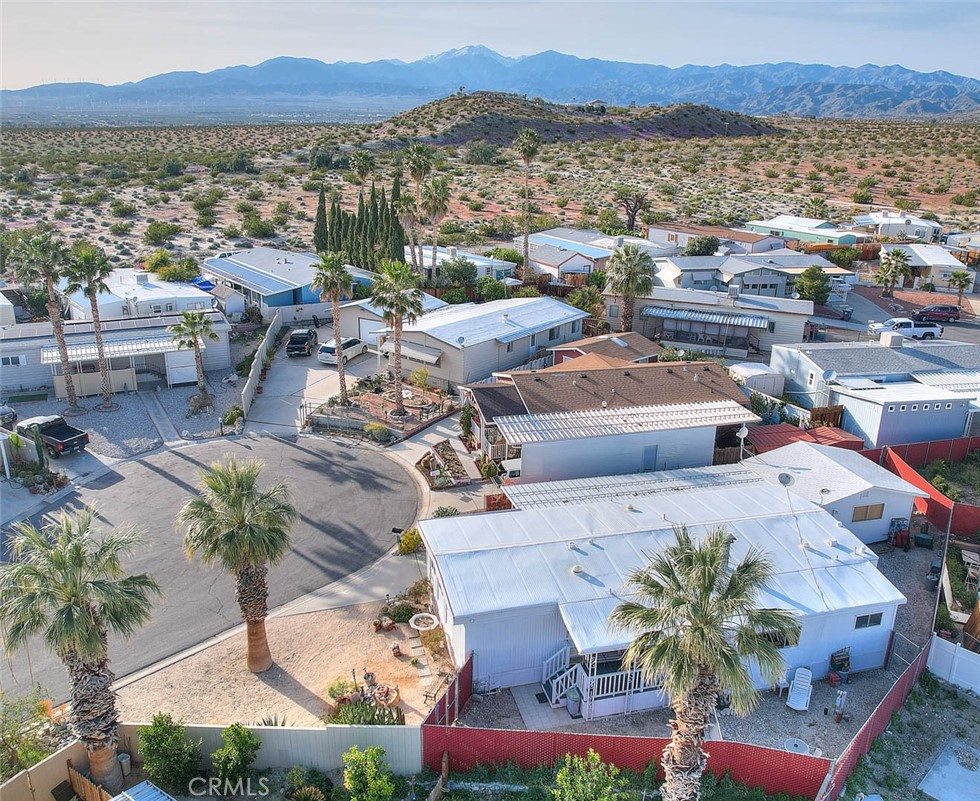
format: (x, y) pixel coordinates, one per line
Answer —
(734, 292)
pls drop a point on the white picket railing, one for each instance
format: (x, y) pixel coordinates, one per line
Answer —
(619, 683)
(573, 677)
(555, 663)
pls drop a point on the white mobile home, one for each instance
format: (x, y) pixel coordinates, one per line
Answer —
(529, 592)
(138, 293)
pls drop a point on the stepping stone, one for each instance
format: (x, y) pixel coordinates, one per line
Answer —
(425, 682)
(418, 652)
(424, 671)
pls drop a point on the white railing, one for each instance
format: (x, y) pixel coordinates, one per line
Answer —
(572, 677)
(555, 663)
(248, 390)
(619, 683)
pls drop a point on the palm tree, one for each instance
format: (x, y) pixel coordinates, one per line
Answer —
(695, 619)
(894, 265)
(87, 270)
(418, 160)
(244, 529)
(39, 259)
(630, 275)
(960, 280)
(68, 586)
(396, 293)
(362, 163)
(333, 280)
(188, 333)
(407, 211)
(527, 144)
(435, 203)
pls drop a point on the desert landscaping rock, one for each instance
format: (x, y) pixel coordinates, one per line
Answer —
(204, 424)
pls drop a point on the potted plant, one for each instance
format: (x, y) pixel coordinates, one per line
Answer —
(377, 624)
(396, 649)
(389, 624)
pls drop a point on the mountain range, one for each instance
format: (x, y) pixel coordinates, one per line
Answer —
(304, 89)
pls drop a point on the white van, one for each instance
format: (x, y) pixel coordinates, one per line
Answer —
(510, 469)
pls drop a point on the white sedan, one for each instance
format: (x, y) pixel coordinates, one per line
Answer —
(349, 348)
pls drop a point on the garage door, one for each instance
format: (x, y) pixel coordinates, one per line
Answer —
(365, 329)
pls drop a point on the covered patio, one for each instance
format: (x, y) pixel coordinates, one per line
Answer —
(714, 332)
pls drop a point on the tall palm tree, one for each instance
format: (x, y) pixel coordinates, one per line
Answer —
(527, 144)
(418, 160)
(244, 529)
(396, 293)
(894, 265)
(39, 259)
(435, 203)
(332, 279)
(695, 619)
(407, 211)
(70, 587)
(960, 281)
(630, 275)
(87, 270)
(188, 333)
(362, 163)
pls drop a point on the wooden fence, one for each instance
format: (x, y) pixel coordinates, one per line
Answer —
(84, 789)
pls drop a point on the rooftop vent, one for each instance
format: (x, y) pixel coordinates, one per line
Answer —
(505, 317)
(142, 278)
(892, 339)
(571, 546)
(697, 378)
(578, 569)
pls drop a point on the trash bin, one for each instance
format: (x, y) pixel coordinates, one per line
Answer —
(932, 582)
(124, 763)
(846, 312)
(573, 700)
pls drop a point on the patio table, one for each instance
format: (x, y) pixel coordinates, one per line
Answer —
(796, 746)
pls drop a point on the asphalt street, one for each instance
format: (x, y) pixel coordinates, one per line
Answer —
(349, 497)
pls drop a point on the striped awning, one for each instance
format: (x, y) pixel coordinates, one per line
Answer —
(87, 351)
(697, 316)
(418, 353)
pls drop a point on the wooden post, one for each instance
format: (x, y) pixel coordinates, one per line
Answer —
(445, 768)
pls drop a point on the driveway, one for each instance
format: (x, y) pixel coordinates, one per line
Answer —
(349, 497)
(298, 380)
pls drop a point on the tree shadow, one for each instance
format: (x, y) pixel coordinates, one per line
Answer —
(283, 682)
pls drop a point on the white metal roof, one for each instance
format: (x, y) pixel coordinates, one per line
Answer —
(429, 303)
(953, 380)
(86, 351)
(141, 286)
(693, 298)
(822, 474)
(631, 485)
(443, 255)
(503, 320)
(928, 256)
(900, 392)
(144, 791)
(555, 426)
(493, 562)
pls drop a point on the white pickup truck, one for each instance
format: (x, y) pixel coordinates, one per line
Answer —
(907, 328)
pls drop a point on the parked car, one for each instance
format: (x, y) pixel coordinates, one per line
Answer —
(58, 437)
(907, 328)
(940, 313)
(349, 348)
(8, 415)
(301, 342)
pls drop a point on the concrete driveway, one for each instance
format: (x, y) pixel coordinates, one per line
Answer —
(349, 497)
(297, 380)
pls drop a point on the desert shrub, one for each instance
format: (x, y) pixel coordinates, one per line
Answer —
(489, 288)
(231, 232)
(339, 688)
(455, 296)
(307, 794)
(410, 542)
(120, 228)
(445, 511)
(25, 731)
(401, 613)
(481, 152)
(159, 232)
(169, 758)
(419, 378)
(235, 758)
(120, 208)
(157, 260)
(232, 415)
(588, 777)
(185, 271)
(527, 292)
(255, 226)
(361, 713)
(489, 469)
(366, 775)
(378, 432)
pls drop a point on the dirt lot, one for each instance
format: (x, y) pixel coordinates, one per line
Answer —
(912, 300)
(311, 651)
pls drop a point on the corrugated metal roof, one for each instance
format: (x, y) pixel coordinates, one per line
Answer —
(145, 791)
(874, 359)
(631, 485)
(556, 426)
(86, 351)
(589, 251)
(494, 562)
(953, 380)
(823, 474)
(697, 316)
(503, 320)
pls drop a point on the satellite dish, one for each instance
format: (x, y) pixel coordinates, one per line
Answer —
(786, 479)
(795, 296)
(828, 376)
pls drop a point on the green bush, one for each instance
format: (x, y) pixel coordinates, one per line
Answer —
(159, 233)
(185, 271)
(446, 511)
(169, 758)
(232, 415)
(410, 542)
(588, 777)
(245, 365)
(455, 297)
(235, 758)
(489, 288)
(378, 432)
(339, 688)
(366, 775)
(401, 613)
(301, 777)
(308, 794)
(361, 713)
(489, 469)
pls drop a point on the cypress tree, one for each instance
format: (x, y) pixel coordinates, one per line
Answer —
(320, 233)
(396, 188)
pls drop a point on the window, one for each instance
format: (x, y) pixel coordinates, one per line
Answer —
(157, 308)
(915, 407)
(891, 408)
(902, 408)
(810, 378)
(938, 406)
(612, 311)
(125, 311)
(872, 511)
(170, 307)
(534, 338)
(772, 326)
(576, 324)
(777, 639)
(553, 332)
(868, 621)
(949, 405)
(671, 237)
(510, 347)
(13, 361)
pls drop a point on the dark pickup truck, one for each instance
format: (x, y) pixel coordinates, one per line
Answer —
(58, 437)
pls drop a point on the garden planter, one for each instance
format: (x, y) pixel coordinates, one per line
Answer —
(258, 389)
(389, 624)
(377, 625)
(396, 649)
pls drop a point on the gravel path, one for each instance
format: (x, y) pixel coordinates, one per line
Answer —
(204, 424)
(123, 432)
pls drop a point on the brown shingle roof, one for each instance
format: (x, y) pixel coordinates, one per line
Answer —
(712, 230)
(590, 361)
(629, 346)
(635, 385)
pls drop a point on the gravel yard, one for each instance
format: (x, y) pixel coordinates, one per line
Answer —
(123, 432)
(206, 423)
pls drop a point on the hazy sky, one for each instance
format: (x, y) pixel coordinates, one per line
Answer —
(113, 42)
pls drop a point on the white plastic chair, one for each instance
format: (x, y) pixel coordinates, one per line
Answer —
(800, 690)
